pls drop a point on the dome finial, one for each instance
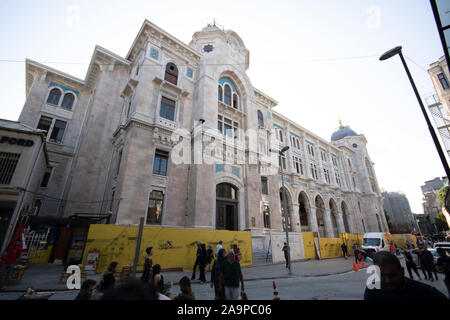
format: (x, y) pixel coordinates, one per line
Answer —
(340, 123)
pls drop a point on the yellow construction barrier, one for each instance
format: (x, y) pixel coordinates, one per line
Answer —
(308, 245)
(172, 247)
(330, 247)
(350, 239)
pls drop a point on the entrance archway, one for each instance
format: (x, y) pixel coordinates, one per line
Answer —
(333, 211)
(304, 212)
(289, 209)
(320, 213)
(344, 216)
(227, 207)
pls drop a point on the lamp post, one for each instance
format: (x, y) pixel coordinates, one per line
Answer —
(398, 50)
(282, 151)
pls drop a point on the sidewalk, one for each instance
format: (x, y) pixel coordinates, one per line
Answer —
(44, 277)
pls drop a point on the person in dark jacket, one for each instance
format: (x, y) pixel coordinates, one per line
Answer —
(444, 263)
(210, 254)
(108, 279)
(186, 290)
(395, 286)
(148, 265)
(203, 261)
(215, 275)
(344, 250)
(157, 278)
(86, 290)
(410, 264)
(427, 262)
(197, 259)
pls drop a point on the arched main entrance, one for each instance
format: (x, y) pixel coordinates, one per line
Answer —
(320, 213)
(304, 212)
(227, 207)
(289, 209)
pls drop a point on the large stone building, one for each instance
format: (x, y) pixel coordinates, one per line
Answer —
(397, 208)
(113, 138)
(431, 204)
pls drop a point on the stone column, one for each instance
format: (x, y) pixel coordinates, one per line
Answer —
(328, 224)
(340, 221)
(295, 218)
(312, 219)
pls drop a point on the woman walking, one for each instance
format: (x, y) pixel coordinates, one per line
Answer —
(203, 262)
(148, 265)
(410, 264)
(219, 294)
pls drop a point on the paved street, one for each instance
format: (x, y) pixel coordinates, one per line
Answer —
(329, 279)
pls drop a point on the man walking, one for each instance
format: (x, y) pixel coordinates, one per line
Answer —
(9, 261)
(356, 251)
(344, 250)
(230, 276)
(428, 263)
(444, 263)
(218, 247)
(286, 255)
(395, 286)
(197, 259)
(410, 264)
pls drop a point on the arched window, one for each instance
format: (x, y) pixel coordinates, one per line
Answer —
(220, 93)
(171, 73)
(260, 119)
(227, 95)
(235, 101)
(54, 96)
(68, 101)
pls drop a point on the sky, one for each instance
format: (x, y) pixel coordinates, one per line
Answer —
(318, 59)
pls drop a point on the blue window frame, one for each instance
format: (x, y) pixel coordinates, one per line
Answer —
(160, 163)
(167, 109)
(54, 96)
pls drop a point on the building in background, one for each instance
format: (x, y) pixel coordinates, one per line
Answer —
(23, 171)
(112, 137)
(431, 204)
(397, 208)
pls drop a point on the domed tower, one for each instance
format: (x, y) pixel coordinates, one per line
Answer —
(361, 178)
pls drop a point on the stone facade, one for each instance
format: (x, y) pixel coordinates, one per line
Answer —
(397, 207)
(129, 111)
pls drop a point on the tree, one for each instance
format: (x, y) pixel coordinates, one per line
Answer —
(441, 222)
(441, 195)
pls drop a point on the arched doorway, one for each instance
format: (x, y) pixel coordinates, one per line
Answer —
(333, 211)
(304, 210)
(289, 209)
(320, 213)
(227, 207)
(344, 216)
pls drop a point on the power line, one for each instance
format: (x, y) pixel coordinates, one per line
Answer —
(423, 69)
(65, 200)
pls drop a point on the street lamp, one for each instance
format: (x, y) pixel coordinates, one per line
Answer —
(282, 151)
(398, 50)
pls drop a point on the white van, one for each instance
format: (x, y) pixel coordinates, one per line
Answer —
(374, 242)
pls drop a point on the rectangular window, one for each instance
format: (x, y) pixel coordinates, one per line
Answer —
(262, 147)
(298, 165)
(160, 163)
(155, 207)
(310, 149)
(8, 163)
(266, 214)
(282, 161)
(227, 127)
(443, 80)
(189, 72)
(58, 131)
(338, 179)
(327, 175)
(44, 124)
(323, 156)
(46, 178)
(314, 171)
(154, 53)
(264, 186)
(167, 109)
(334, 161)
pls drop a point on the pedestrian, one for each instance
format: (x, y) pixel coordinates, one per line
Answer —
(395, 286)
(219, 292)
(148, 265)
(157, 278)
(444, 263)
(210, 255)
(203, 261)
(422, 262)
(344, 250)
(218, 247)
(230, 276)
(108, 279)
(197, 259)
(86, 290)
(237, 253)
(392, 247)
(428, 263)
(186, 290)
(410, 264)
(9, 261)
(286, 254)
